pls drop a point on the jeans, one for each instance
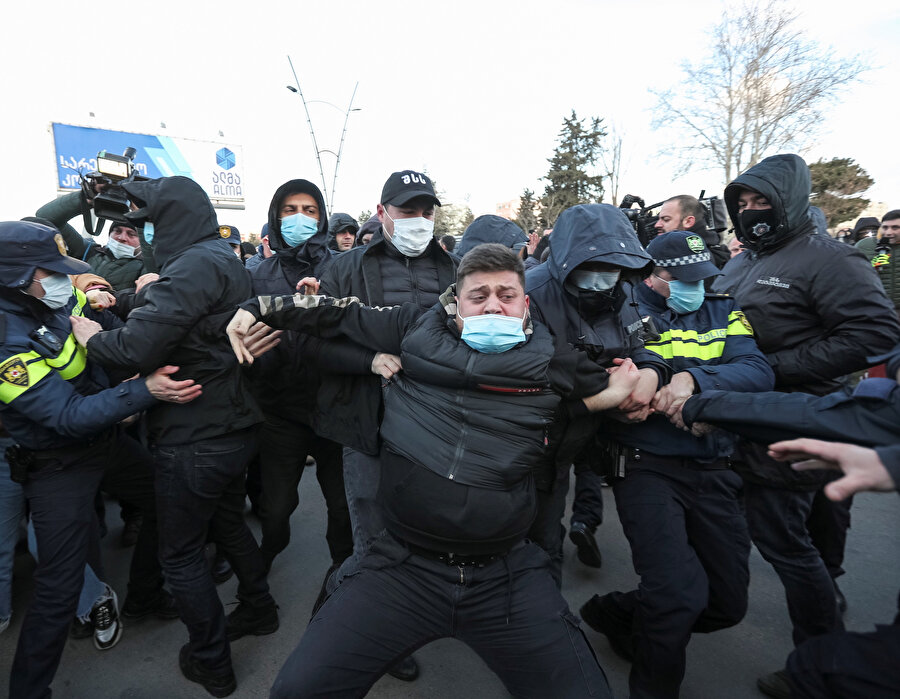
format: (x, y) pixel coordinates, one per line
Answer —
(547, 530)
(12, 510)
(690, 545)
(362, 474)
(93, 589)
(828, 524)
(509, 611)
(200, 490)
(282, 452)
(777, 520)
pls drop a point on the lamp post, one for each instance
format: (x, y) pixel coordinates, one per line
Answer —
(312, 132)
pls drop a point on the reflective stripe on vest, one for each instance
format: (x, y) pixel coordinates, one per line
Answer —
(704, 346)
(22, 371)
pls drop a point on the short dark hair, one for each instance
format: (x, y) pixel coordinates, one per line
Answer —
(449, 242)
(691, 206)
(490, 257)
(891, 215)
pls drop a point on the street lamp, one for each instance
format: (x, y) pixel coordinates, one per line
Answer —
(312, 133)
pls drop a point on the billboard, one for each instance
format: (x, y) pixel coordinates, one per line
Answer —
(217, 167)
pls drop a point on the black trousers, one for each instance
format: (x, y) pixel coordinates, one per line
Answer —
(509, 611)
(283, 447)
(848, 665)
(691, 547)
(60, 497)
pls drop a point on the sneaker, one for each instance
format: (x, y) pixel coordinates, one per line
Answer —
(584, 540)
(162, 606)
(406, 670)
(599, 614)
(775, 684)
(218, 685)
(246, 620)
(81, 629)
(130, 531)
(105, 619)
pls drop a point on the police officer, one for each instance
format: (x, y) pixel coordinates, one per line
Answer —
(61, 410)
(679, 501)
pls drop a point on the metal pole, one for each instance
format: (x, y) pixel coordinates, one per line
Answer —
(341, 147)
(312, 133)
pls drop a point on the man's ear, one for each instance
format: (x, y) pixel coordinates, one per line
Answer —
(688, 222)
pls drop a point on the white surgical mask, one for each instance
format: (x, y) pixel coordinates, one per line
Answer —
(411, 235)
(57, 290)
(121, 250)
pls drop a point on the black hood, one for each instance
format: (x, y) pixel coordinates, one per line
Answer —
(370, 226)
(311, 251)
(490, 229)
(179, 210)
(784, 181)
(597, 233)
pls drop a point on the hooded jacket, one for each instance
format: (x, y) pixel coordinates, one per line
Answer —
(490, 229)
(349, 407)
(596, 233)
(285, 380)
(815, 304)
(340, 222)
(183, 317)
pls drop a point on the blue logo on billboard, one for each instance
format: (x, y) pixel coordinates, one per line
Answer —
(225, 159)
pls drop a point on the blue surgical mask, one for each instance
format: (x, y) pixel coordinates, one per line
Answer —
(148, 232)
(685, 297)
(492, 333)
(297, 228)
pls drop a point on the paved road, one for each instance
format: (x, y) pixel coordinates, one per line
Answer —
(725, 664)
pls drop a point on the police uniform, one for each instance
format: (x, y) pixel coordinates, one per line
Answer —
(679, 501)
(60, 409)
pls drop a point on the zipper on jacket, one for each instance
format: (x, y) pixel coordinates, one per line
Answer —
(464, 432)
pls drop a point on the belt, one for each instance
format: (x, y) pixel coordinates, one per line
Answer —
(46, 457)
(638, 457)
(455, 559)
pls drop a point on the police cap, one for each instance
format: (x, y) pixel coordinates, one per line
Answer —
(25, 246)
(684, 254)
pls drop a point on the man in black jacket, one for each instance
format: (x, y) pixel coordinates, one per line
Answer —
(201, 449)
(818, 312)
(463, 431)
(403, 263)
(286, 380)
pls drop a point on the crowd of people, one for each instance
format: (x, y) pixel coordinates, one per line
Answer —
(445, 391)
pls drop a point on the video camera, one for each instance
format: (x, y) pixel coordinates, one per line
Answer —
(112, 202)
(644, 221)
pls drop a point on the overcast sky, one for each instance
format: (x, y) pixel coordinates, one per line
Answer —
(475, 92)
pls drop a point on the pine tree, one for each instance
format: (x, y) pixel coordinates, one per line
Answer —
(526, 218)
(834, 182)
(570, 180)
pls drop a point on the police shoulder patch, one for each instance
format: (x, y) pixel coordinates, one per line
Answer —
(15, 372)
(695, 243)
(744, 321)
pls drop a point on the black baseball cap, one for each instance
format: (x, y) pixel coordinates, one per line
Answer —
(25, 246)
(684, 254)
(403, 186)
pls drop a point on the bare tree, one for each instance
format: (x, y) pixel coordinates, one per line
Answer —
(762, 89)
(611, 159)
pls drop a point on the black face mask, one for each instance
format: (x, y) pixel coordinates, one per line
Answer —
(755, 224)
(593, 303)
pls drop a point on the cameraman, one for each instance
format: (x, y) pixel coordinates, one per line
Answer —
(121, 261)
(685, 213)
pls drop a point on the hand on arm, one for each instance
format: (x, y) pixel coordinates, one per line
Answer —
(100, 299)
(237, 330)
(164, 388)
(84, 329)
(261, 338)
(636, 407)
(386, 365)
(308, 286)
(622, 381)
(673, 395)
